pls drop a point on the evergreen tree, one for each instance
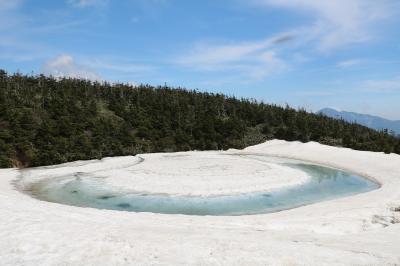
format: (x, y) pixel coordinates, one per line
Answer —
(47, 121)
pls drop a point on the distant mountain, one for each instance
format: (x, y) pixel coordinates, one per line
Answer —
(370, 121)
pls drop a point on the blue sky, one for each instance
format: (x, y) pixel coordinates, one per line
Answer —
(307, 53)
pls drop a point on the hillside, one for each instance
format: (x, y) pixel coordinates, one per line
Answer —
(371, 121)
(45, 121)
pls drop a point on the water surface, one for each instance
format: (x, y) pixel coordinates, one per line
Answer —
(87, 190)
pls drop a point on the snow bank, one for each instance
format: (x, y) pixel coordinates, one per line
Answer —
(359, 230)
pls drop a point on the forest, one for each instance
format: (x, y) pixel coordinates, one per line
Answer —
(45, 121)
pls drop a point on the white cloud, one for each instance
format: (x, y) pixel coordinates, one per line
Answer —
(7, 4)
(255, 59)
(300, 58)
(333, 24)
(9, 18)
(339, 22)
(314, 93)
(382, 85)
(135, 19)
(65, 66)
(211, 55)
(87, 3)
(117, 65)
(348, 63)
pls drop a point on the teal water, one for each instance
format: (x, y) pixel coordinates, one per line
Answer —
(87, 190)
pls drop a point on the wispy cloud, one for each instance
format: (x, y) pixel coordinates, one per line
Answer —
(117, 65)
(88, 3)
(211, 55)
(349, 63)
(340, 22)
(9, 18)
(334, 24)
(7, 5)
(382, 85)
(21, 35)
(18, 49)
(255, 59)
(314, 93)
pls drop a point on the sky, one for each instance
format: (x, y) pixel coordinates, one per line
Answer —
(309, 54)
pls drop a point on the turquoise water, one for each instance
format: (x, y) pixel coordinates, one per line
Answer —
(87, 190)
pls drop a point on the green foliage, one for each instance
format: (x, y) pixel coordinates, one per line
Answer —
(47, 121)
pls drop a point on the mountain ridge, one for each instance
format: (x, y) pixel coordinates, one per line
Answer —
(371, 121)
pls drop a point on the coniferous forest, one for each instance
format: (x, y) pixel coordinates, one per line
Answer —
(46, 121)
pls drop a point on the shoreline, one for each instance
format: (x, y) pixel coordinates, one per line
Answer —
(327, 165)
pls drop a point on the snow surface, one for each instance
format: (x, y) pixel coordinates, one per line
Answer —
(359, 230)
(188, 173)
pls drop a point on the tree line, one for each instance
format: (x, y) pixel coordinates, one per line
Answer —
(46, 121)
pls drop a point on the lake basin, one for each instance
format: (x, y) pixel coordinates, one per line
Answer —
(89, 190)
